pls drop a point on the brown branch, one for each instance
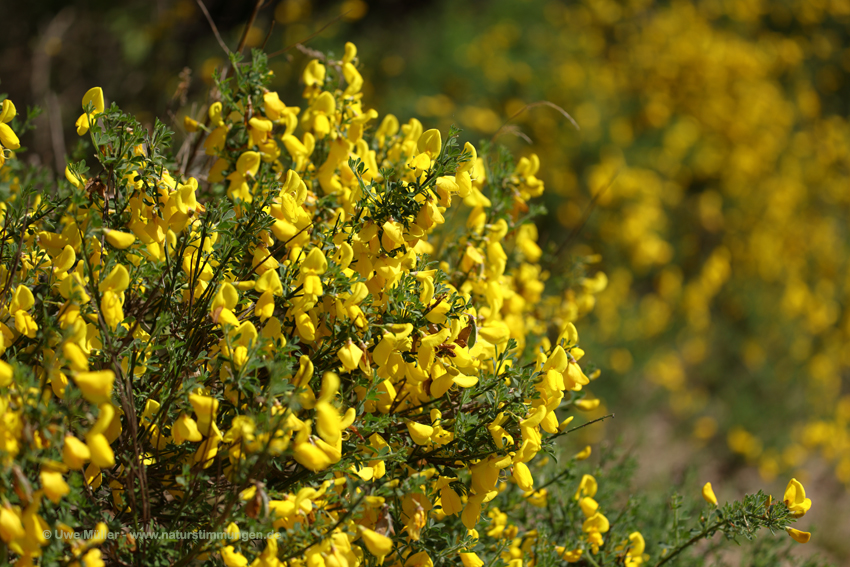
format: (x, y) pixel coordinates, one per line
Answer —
(257, 7)
(268, 36)
(213, 26)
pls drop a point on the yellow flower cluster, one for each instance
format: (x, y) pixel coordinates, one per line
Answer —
(313, 349)
(795, 500)
(8, 138)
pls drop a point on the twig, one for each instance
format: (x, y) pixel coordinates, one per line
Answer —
(514, 129)
(54, 115)
(257, 7)
(268, 36)
(529, 107)
(308, 38)
(213, 26)
(586, 214)
(40, 83)
(690, 542)
(603, 418)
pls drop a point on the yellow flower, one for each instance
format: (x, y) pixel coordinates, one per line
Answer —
(795, 499)
(587, 487)
(223, 304)
(93, 558)
(587, 405)
(522, 476)
(596, 523)
(77, 359)
(393, 235)
(215, 141)
(314, 73)
(799, 536)
(472, 510)
(583, 454)
(205, 408)
(25, 324)
(101, 453)
(11, 527)
(118, 239)
(233, 558)
(420, 433)
(588, 506)
(419, 559)
(75, 453)
(185, 429)
(248, 164)
(22, 299)
(96, 386)
(450, 501)
(54, 485)
(350, 356)
(6, 373)
(8, 138)
(637, 545)
(570, 556)
(470, 560)
(274, 107)
(311, 457)
(708, 494)
(93, 96)
(190, 124)
(430, 143)
(215, 114)
(112, 295)
(378, 545)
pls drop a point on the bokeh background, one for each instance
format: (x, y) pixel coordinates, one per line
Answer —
(711, 174)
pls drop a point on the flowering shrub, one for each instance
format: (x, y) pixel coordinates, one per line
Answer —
(302, 346)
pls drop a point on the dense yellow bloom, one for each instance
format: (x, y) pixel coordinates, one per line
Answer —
(8, 138)
(268, 334)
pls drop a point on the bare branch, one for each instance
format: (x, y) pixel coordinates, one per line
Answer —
(213, 26)
(535, 105)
